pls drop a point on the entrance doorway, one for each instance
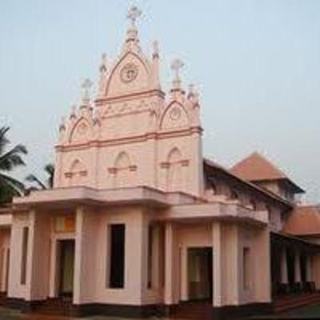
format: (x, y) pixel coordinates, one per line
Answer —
(200, 274)
(66, 267)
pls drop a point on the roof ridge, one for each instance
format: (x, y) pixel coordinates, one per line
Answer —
(257, 167)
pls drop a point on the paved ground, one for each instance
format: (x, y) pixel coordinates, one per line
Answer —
(6, 314)
(311, 312)
(308, 312)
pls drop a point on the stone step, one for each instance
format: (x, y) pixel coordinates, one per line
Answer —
(193, 311)
(289, 303)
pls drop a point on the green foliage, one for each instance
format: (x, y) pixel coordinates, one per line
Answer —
(37, 183)
(10, 159)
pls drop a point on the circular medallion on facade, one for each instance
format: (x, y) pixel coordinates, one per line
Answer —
(175, 113)
(129, 72)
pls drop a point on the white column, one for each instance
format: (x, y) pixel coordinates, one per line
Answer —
(308, 268)
(284, 267)
(4, 262)
(262, 266)
(297, 267)
(38, 257)
(78, 256)
(217, 264)
(54, 266)
(184, 273)
(155, 272)
(30, 274)
(169, 264)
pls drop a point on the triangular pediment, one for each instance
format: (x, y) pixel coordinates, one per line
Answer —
(130, 74)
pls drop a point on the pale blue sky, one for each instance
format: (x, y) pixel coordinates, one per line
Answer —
(257, 64)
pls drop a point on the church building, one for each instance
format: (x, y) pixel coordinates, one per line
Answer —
(139, 223)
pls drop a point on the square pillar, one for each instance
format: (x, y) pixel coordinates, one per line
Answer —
(308, 268)
(136, 256)
(284, 267)
(171, 279)
(184, 274)
(156, 259)
(78, 256)
(262, 284)
(217, 264)
(85, 265)
(37, 280)
(315, 268)
(297, 268)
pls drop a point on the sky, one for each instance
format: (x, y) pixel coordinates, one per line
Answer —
(256, 64)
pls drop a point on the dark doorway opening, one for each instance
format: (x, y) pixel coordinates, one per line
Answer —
(200, 279)
(67, 250)
(117, 256)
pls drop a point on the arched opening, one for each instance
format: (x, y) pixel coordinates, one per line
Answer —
(234, 195)
(123, 171)
(253, 204)
(77, 174)
(175, 177)
(122, 161)
(81, 131)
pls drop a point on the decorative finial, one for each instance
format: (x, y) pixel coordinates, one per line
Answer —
(133, 14)
(73, 112)
(193, 95)
(176, 65)
(86, 85)
(103, 66)
(191, 89)
(62, 126)
(155, 45)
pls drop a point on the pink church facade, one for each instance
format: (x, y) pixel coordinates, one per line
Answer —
(139, 223)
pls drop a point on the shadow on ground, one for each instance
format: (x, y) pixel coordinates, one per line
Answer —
(310, 312)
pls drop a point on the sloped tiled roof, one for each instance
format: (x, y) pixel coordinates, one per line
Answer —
(256, 167)
(304, 220)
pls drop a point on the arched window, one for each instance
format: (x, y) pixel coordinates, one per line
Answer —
(213, 188)
(81, 131)
(268, 209)
(77, 173)
(234, 195)
(123, 171)
(122, 161)
(175, 175)
(253, 204)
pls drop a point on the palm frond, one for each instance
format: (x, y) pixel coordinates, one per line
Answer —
(49, 168)
(11, 184)
(12, 158)
(33, 179)
(3, 139)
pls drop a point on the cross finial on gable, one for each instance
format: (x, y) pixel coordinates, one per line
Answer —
(176, 65)
(86, 86)
(133, 14)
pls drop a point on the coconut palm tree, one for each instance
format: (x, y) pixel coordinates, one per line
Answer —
(42, 185)
(9, 160)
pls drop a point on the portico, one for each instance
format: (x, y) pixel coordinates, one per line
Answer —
(293, 264)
